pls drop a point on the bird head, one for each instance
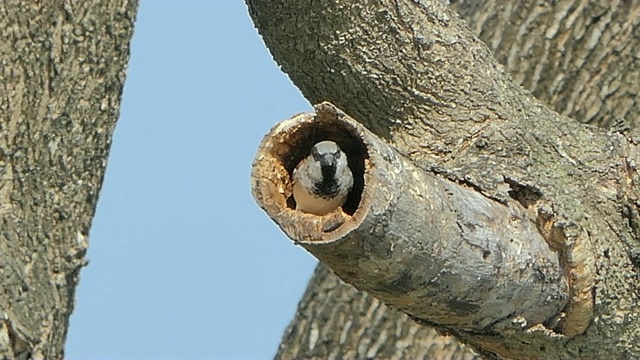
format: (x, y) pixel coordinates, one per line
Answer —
(326, 153)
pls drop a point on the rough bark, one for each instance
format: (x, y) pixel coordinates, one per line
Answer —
(411, 72)
(63, 69)
(579, 57)
(336, 322)
(434, 249)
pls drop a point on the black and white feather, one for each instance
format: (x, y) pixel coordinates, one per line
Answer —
(322, 181)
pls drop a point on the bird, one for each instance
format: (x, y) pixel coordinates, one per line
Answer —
(322, 181)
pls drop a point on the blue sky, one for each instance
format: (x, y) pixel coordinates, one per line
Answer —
(183, 264)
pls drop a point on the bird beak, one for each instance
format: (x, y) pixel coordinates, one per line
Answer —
(328, 160)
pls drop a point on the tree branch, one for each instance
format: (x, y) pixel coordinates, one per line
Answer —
(414, 74)
(579, 57)
(63, 69)
(436, 250)
(333, 316)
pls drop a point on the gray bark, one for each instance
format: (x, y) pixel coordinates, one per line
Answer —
(413, 74)
(579, 57)
(334, 321)
(63, 69)
(434, 249)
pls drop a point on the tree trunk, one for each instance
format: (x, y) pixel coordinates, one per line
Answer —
(413, 74)
(63, 69)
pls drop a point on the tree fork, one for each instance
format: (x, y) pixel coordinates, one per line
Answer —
(415, 75)
(437, 250)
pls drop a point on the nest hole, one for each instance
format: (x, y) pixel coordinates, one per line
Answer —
(299, 144)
